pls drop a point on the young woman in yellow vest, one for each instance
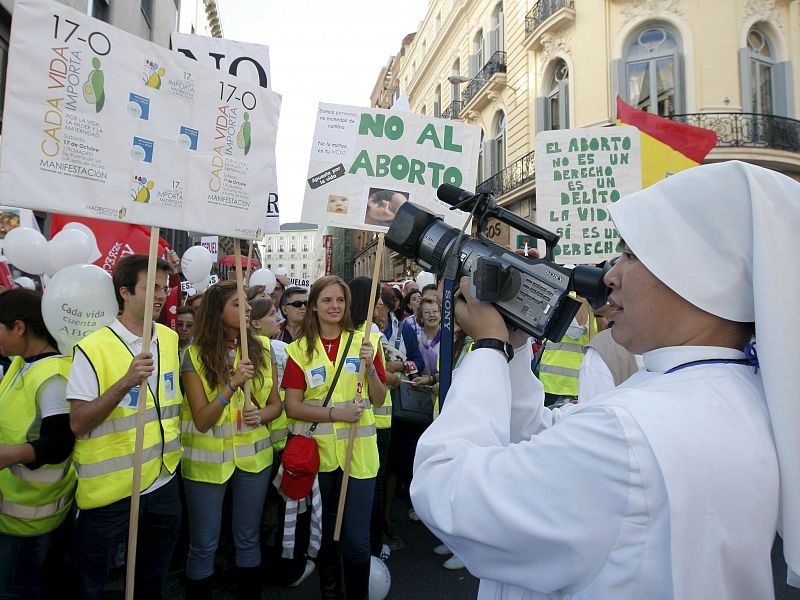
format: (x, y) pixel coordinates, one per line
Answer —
(310, 368)
(37, 479)
(224, 441)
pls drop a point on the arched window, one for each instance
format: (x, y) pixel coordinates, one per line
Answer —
(497, 39)
(437, 101)
(652, 79)
(557, 113)
(481, 146)
(761, 63)
(478, 57)
(455, 88)
(499, 143)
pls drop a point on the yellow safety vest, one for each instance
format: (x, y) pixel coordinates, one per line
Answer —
(383, 414)
(279, 428)
(104, 457)
(332, 438)
(32, 501)
(560, 365)
(212, 456)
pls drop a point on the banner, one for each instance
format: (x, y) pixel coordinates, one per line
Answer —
(579, 173)
(100, 123)
(367, 162)
(247, 61)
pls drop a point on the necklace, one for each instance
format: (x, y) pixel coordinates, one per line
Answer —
(36, 356)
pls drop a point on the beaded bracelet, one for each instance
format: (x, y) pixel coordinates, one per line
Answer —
(221, 399)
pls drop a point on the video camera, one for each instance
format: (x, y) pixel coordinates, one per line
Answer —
(531, 294)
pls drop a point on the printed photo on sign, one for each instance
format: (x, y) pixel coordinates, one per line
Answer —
(337, 204)
(382, 206)
(9, 219)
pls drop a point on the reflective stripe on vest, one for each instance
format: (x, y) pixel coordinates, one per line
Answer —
(332, 438)
(20, 511)
(212, 456)
(32, 501)
(104, 458)
(560, 365)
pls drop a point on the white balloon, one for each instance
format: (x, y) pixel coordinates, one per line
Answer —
(25, 282)
(68, 247)
(263, 277)
(196, 264)
(95, 253)
(78, 300)
(281, 271)
(380, 580)
(26, 249)
(49, 270)
(424, 278)
(202, 286)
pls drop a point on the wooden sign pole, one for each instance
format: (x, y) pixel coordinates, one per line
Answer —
(376, 277)
(133, 526)
(245, 355)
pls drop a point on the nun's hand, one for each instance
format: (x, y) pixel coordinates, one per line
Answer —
(479, 319)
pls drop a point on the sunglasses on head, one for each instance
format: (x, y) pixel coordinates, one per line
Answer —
(297, 303)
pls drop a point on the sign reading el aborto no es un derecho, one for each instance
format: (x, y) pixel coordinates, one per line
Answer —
(579, 174)
(367, 162)
(100, 123)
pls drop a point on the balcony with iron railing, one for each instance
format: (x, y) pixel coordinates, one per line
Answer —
(518, 173)
(748, 130)
(453, 110)
(496, 64)
(544, 9)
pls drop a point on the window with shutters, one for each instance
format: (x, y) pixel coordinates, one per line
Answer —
(761, 67)
(437, 101)
(499, 143)
(557, 100)
(481, 148)
(650, 77)
(478, 57)
(496, 38)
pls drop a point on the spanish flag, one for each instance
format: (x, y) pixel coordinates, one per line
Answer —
(667, 146)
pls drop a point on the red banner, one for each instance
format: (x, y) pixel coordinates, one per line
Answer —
(114, 240)
(327, 243)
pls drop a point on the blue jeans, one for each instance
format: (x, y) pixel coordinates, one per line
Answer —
(354, 540)
(100, 531)
(21, 562)
(204, 505)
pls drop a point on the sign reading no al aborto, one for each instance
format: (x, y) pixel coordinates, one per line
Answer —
(367, 162)
(100, 123)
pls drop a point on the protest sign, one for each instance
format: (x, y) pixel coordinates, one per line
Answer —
(211, 243)
(100, 123)
(579, 174)
(247, 61)
(367, 162)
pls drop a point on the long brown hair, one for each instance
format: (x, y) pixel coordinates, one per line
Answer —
(310, 327)
(209, 337)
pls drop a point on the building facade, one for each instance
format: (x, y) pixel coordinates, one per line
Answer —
(297, 248)
(524, 66)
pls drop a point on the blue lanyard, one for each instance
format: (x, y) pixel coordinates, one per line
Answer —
(750, 360)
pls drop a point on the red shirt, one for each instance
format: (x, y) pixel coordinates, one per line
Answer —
(295, 379)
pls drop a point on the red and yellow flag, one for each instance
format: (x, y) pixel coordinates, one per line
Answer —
(667, 146)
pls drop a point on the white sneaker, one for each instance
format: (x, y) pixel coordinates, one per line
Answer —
(386, 552)
(306, 572)
(412, 516)
(442, 550)
(453, 563)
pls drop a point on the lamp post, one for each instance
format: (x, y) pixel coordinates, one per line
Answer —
(456, 79)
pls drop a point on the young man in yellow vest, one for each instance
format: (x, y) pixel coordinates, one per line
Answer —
(103, 389)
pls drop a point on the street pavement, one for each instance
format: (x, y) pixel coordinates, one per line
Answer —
(417, 573)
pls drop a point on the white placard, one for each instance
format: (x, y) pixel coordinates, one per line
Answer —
(100, 123)
(210, 243)
(579, 174)
(246, 61)
(366, 162)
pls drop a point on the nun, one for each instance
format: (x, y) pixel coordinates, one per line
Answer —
(672, 485)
